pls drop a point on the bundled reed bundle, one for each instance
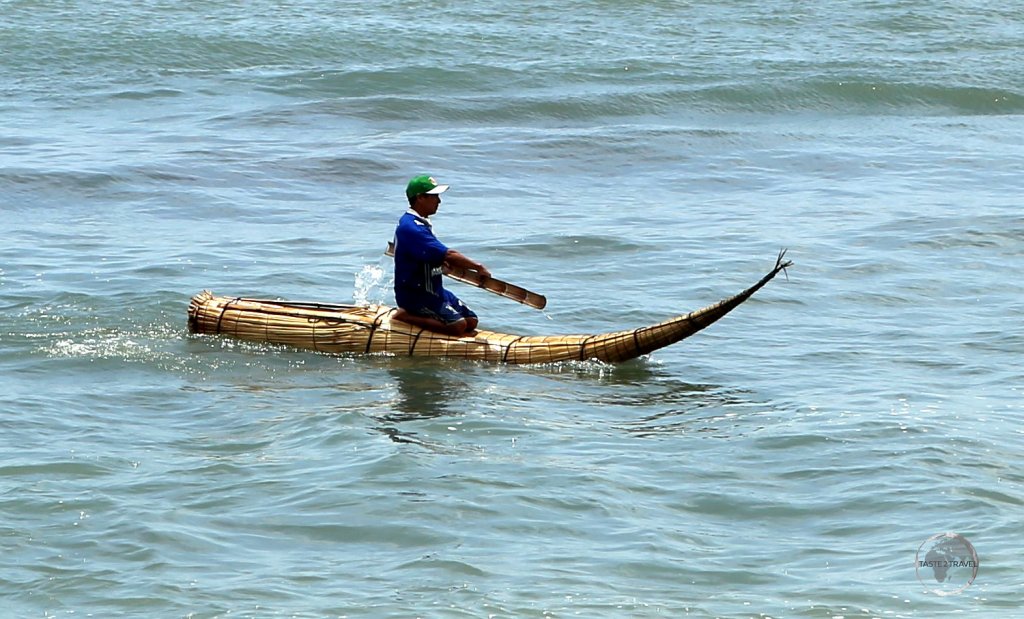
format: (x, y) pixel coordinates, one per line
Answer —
(350, 329)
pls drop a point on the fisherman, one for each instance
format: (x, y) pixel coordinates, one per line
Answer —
(422, 299)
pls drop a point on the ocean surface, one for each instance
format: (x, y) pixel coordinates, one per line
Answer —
(631, 161)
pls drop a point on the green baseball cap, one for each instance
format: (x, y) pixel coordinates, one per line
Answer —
(424, 184)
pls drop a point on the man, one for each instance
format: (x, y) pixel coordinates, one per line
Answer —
(419, 256)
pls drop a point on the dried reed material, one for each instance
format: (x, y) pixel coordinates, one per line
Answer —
(347, 329)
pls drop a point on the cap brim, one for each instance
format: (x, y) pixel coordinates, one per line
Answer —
(438, 189)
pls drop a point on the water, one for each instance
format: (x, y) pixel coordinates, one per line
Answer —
(630, 161)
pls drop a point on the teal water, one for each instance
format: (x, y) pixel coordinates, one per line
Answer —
(629, 160)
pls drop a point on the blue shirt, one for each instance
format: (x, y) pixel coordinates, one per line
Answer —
(418, 259)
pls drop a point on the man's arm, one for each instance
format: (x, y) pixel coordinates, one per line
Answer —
(455, 258)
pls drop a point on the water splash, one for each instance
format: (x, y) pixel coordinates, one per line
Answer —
(369, 289)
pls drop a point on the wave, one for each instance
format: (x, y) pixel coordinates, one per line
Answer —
(839, 97)
(859, 96)
(507, 66)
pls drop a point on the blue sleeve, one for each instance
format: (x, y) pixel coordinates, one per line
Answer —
(419, 243)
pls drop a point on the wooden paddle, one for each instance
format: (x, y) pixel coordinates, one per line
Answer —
(498, 287)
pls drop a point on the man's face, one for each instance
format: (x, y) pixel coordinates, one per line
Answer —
(428, 203)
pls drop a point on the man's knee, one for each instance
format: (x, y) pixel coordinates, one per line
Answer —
(458, 327)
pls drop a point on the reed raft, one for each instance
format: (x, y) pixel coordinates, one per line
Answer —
(349, 329)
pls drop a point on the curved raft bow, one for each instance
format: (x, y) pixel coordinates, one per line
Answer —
(347, 329)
